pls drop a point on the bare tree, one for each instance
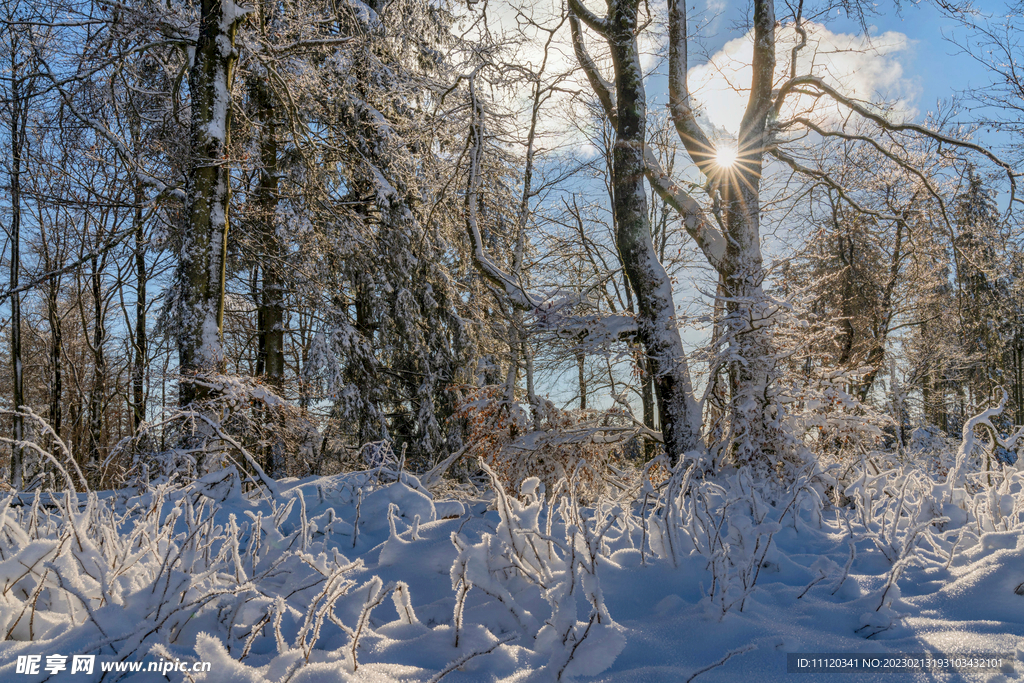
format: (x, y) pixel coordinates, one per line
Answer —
(19, 81)
(729, 233)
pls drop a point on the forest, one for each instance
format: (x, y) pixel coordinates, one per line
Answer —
(409, 340)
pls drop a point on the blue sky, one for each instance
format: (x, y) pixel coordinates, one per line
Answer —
(932, 61)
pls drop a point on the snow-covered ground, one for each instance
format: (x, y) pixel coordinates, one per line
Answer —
(364, 577)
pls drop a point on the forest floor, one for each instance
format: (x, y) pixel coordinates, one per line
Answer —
(357, 579)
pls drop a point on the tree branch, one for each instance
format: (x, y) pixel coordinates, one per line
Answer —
(829, 181)
(589, 18)
(515, 292)
(885, 124)
(6, 294)
(906, 166)
(700, 148)
(602, 88)
(760, 103)
(708, 237)
(119, 148)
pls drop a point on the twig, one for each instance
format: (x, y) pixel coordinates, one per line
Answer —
(728, 655)
(457, 663)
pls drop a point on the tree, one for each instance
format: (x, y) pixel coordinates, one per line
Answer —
(20, 81)
(202, 263)
(783, 107)
(982, 286)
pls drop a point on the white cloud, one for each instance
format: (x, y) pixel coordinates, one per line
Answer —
(866, 67)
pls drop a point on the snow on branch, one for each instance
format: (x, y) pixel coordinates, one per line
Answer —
(695, 221)
(65, 450)
(700, 148)
(512, 289)
(603, 89)
(122, 151)
(553, 311)
(593, 21)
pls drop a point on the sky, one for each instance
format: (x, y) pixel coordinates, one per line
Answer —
(932, 63)
(906, 55)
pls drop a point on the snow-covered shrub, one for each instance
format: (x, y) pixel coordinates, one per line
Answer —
(49, 461)
(830, 422)
(728, 523)
(970, 487)
(566, 442)
(265, 590)
(157, 576)
(241, 423)
(931, 450)
(929, 510)
(896, 513)
(366, 576)
(260, 589)
(523, 560)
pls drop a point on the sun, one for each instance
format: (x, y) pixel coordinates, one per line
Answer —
(725, 156)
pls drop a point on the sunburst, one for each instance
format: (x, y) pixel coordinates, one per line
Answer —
(725, 156)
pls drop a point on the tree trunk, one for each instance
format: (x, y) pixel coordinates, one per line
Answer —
(203, 262)
(581, 367)
(17, 131)
(716, 399)
(18, 398)
(754, 434)
(56, 347)
(927, 409)
(656, 322)
(304, 333)
(1018, 385)
(647, 399)
(141, 342)
(751, 354)
(271, 310)
(531, 389)
(51, 262)
(97, 396)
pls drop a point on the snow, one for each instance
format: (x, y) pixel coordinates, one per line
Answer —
(211, 351)
(231, 13)
(371, 577)
(217, 127)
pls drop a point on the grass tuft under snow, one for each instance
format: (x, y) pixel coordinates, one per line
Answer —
(370, 577)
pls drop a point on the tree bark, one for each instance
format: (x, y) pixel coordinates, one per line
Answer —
(56, 348)
(18, 124)
(271, 310)
(656, 321)
(1017, 362)
(203, 261)
(98, 393)
(141, 342)
(51, 262)
(647, 400)
(18, 397)
(581, 368)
